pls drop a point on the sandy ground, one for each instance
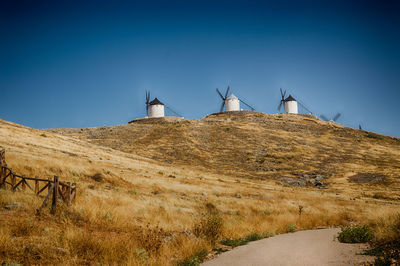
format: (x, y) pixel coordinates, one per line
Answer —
(311, 247)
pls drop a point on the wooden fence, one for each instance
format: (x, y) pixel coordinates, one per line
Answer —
(55, 189)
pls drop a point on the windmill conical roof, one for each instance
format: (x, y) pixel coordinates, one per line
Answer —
(232, 97)
(155, 102)
(290, 98)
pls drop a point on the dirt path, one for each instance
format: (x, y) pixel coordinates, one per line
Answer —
(312, 247)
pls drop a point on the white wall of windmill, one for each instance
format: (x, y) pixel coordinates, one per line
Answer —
(156, 110)
(291, 107)
(232, 105)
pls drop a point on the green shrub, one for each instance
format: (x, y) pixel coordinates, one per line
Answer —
(220, 250)
(235, 242)
(373, 135)
(376, 196)
(355, 234)
(267, 212)
(267, 234)
(291, 228)
(194, 260)
(142, 255)
(253, 237)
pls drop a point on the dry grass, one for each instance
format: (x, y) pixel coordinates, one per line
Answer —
(142, 210)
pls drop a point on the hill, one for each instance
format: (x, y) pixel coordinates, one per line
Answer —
(161, 191)
(255, 145)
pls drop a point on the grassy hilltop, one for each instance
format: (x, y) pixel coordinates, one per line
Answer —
(255, 145)
(160, 191)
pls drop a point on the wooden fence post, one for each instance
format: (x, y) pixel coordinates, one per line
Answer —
(36, 187)
(55, 195)
(3, 158)
(73, 192)
(3, 171)
(12, 181)
(68, 193)
(49, 186)
(23, 184)
(2, 175)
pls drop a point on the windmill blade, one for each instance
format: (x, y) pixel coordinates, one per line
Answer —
(220, 94)
(302, 105)
(336, 117)
(226, 94)
(169, 108)
(222, 107)
(147, 102)
(283, 93)
(324, 118)
(247, 105)
(280, 106)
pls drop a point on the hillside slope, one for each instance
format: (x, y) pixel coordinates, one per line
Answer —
(161, 191)
(255, 145)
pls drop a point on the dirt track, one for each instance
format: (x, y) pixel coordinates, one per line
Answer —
(312, 247)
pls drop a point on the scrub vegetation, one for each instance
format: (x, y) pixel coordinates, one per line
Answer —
(355, 234)
(168, 193)
(386, 243)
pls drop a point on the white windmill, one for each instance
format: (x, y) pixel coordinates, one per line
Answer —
(290, 104)
(231, 102)
(155, 108)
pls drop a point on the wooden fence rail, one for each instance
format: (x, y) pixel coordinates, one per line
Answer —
(55, 188)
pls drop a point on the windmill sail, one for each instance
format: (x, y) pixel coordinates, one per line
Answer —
(336, 117)
(252, 108)
(171, 110)
(283, 93)
(147, 102)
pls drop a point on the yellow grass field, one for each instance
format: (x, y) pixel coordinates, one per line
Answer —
(146, 190)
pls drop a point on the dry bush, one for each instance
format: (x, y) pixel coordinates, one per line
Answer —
(98, 177)
(210, 225)
(150, 239)
(87, 246)
(23, 228)
(386, 244)
(27, 250)
(72, 216)
(103, 248)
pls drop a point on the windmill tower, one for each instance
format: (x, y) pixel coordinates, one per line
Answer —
(290, 103)
(231, 102)
(155, 108)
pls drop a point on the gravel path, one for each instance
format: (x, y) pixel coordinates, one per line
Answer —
(312, 247)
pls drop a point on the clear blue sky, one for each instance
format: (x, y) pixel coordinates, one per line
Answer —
(88, 63)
